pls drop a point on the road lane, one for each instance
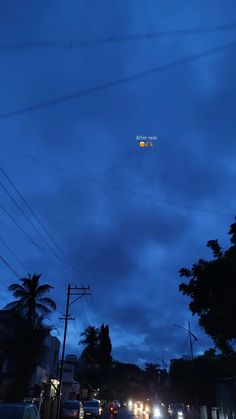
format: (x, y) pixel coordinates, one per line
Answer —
(123, 413)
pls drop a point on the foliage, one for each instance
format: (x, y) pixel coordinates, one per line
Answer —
(96, 357)
(22, 344)
(152, 371)
(22, 333)
(30, 301)
(91, 340)
(98, 346)
(199, 377)
(104, 347)
(211, 287)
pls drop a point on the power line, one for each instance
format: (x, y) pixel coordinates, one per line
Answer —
(115, 39)
(39, 221)
(115, 83)
(29, 220)
(14, 255)
(10, 268)
(22, 230)
(124, 189)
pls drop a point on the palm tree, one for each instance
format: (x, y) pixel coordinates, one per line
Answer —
(31, 302)
(91, 340)
(24, 329)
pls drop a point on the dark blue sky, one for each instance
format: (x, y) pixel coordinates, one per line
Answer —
(128, 218)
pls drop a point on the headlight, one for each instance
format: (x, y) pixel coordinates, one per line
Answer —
(180, 413)
(157, 412)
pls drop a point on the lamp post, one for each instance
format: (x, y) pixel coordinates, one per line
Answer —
(191, 336)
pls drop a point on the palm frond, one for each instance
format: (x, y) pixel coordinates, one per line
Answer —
(43, 308)
(17, 288)
(16, 306)
(42, 289)
(48, 301)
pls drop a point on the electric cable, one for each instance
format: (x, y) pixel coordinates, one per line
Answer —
(115, 83)
(14, 255)
(116, 39)
(37, 219)
(124, 189)
(29, 220)
(22, 230)
(10, 267)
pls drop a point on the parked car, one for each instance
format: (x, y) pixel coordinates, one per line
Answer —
(92, 408)
(72, 409)
(18, 411)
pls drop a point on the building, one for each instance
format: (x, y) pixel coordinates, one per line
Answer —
(70, 387)
(46, 372)
(45, 375)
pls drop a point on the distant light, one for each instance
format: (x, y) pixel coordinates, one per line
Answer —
(157, 412)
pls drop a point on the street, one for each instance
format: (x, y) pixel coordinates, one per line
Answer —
(124, 413)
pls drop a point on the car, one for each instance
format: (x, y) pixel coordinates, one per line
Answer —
(176, 410)
(71, 409)
(113, 407)
(18, 411)
(92, 408)
(158, 410)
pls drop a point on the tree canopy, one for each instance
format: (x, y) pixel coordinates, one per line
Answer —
(31, 302)
(98, 346)
(23, 333)
(211, 287)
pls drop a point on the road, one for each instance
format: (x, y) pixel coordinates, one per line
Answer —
(124, 413)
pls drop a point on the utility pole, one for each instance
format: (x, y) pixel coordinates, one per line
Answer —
(79, 292)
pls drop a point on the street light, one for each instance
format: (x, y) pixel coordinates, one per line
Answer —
(191, 336)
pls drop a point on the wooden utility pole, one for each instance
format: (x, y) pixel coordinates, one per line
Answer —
(79, 292)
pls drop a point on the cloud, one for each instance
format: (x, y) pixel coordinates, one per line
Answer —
(127, 218)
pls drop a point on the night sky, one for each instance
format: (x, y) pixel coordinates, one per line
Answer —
(127, 218)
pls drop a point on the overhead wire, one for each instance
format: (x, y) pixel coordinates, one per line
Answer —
(124, 189)
(116, 39)
(22, 230)
(29, 220)
(91, 305)
(14, 255)
(10, 267)
(118, 82)
(38, 219)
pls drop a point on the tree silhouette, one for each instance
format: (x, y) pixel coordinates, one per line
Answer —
(151, 371)
(22, 332)
(91, 340)
(31, 302)
(211, 287)
(104, 347)
(22, 344)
